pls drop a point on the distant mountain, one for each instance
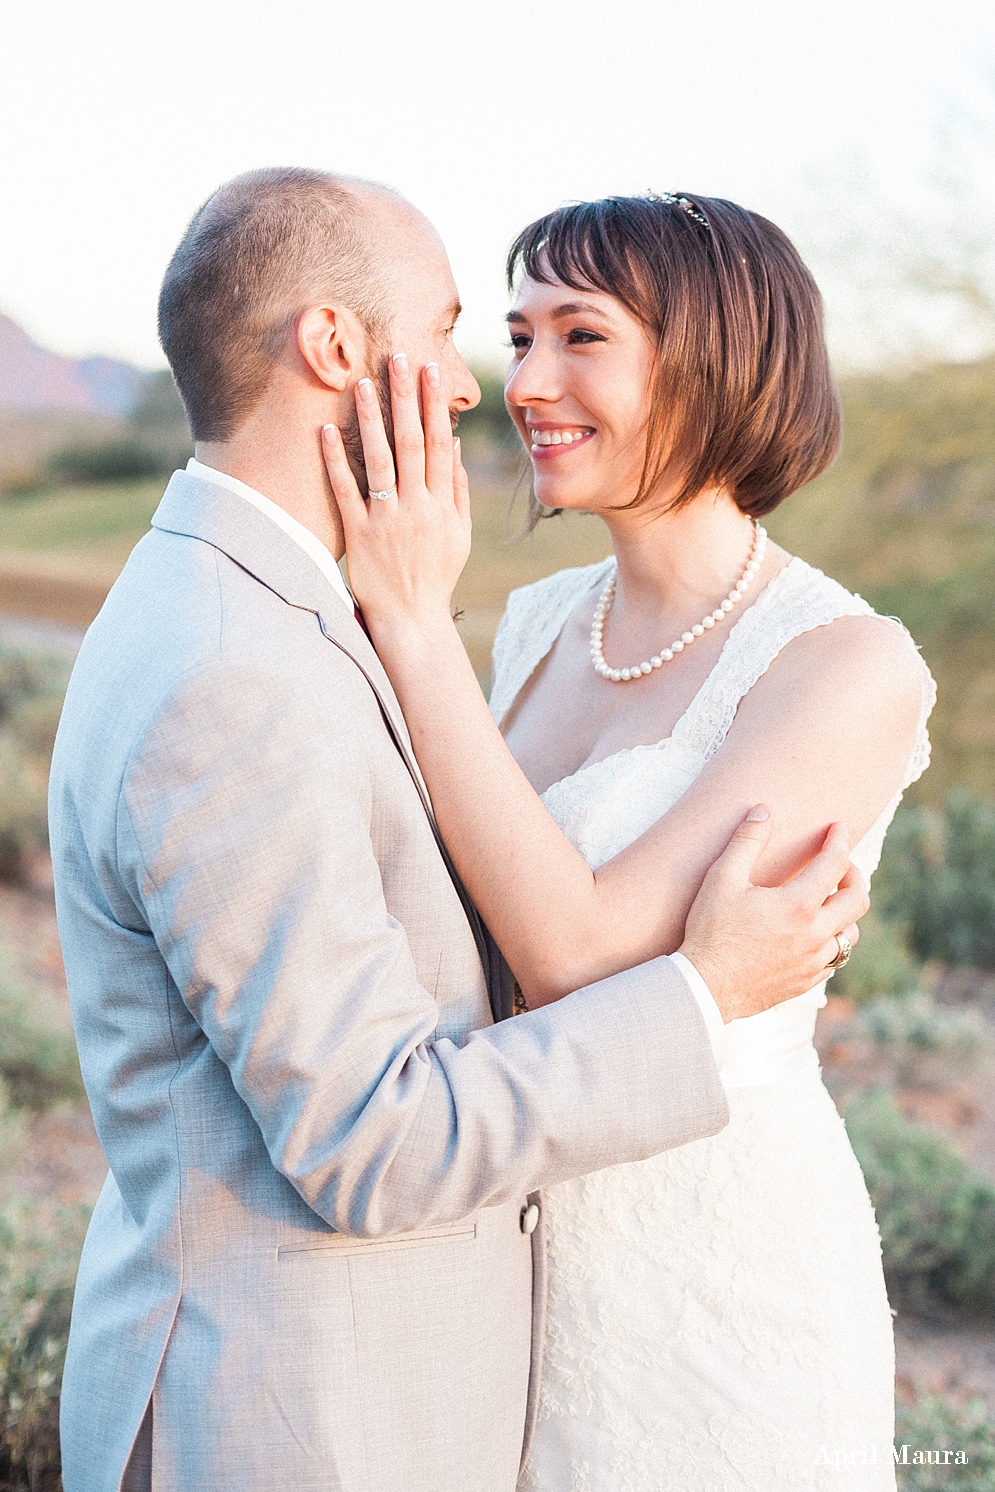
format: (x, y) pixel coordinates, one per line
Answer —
(114, 387)
(31, 378)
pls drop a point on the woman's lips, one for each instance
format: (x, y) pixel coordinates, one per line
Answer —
(546, 443)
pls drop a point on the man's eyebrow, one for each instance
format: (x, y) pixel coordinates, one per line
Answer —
(453, 312)
(569, 308)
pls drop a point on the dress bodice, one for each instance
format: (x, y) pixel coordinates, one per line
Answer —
(607, 804)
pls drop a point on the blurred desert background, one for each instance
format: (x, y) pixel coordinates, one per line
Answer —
(907, 518)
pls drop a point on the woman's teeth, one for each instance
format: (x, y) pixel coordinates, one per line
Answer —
(556, 437)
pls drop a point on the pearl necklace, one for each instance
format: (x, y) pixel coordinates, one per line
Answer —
(665, 655)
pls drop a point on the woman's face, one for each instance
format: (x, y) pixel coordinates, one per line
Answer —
(579, 392)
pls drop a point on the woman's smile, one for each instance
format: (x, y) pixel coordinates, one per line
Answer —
(549, 439)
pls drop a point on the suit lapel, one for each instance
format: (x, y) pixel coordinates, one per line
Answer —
(500, 981)
(348, 636)
(224, 520)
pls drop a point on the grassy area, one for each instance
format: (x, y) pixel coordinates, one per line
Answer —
(100, 523)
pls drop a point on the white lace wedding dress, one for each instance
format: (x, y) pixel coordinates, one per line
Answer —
(717, 1314)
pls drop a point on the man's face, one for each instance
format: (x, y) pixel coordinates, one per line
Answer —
(422, 304)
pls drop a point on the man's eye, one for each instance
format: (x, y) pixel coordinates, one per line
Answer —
(581, 337)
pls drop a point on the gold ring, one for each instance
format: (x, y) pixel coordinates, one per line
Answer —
(845, 949)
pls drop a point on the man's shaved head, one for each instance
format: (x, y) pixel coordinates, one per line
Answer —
(261, 250)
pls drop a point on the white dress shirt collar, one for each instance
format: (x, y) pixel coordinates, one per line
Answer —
(308, 541)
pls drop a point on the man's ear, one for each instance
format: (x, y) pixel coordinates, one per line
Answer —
(330, 341)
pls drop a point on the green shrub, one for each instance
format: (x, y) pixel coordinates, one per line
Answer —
(920, 1022)
(38, 1259)
(489, 422)
(23, 807)
(38, 1062)
(154, 442)
(933, 1424)
(27, 675)
(937, 1218)
(937, 879)
(32, 687)
(13, 1137)
(110, 461)
(929, 1043)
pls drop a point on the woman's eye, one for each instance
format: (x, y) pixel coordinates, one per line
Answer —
(579, 337)
(519, 341)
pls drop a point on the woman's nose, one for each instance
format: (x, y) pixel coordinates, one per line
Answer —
(532, 380)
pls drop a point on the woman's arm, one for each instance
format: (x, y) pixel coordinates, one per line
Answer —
(823, 737)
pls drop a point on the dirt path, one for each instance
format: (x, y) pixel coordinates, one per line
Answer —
(945, 1359)
(53, 587)
(36, 632)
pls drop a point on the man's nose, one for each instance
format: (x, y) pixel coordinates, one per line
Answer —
(466, 389)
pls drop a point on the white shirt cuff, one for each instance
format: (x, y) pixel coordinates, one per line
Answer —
(710, 1013)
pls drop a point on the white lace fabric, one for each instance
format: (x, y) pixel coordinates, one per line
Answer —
(717, 1315)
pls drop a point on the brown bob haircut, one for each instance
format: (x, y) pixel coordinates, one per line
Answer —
(260, 251)
(742, 396)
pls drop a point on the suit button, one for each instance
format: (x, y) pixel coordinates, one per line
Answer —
(530, 1218)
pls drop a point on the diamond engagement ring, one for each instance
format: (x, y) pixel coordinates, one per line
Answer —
(381, 497)
(845, 949)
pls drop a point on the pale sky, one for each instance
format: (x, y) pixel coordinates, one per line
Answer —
(119, 116)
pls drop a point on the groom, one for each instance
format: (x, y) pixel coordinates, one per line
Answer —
(312, 1264)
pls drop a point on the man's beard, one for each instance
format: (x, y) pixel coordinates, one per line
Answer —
(349, 430)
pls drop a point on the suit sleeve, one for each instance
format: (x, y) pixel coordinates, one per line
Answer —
(244, 831)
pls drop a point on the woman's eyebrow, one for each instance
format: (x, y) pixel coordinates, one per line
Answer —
(569, 308)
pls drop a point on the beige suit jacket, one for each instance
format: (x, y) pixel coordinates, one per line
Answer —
(308, 1257)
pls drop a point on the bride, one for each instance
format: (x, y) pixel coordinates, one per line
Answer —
(717, 1316)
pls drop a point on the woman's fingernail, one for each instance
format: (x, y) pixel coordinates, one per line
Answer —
(365, 388)
(400, 362)
(331, 432)
(432, 375)
(456, 447)
(758, 815)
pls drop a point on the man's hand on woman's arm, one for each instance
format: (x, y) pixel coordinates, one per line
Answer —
(755, 946)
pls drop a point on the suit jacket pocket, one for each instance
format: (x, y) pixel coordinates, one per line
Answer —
(341, 1245)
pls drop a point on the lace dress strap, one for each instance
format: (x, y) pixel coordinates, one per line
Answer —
(798, 599)
(533, 620)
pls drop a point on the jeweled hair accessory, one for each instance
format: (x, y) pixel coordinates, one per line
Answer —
(684, 203)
